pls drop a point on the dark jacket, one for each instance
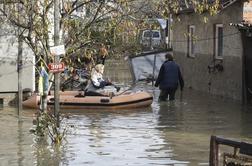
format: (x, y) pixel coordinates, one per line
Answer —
(169, 76)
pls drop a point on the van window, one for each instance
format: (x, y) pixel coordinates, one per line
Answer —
(155, 34)
(147, 34)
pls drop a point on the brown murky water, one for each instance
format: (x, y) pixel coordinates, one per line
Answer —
(172, 134)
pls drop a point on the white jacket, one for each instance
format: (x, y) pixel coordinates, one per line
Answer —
(96, 78)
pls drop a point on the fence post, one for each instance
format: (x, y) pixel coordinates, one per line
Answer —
(214, 152)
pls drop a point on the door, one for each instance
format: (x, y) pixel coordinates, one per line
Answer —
(247, 66)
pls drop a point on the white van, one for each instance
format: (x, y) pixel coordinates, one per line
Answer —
(145, 38)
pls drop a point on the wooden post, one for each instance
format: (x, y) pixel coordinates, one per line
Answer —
(214, 152)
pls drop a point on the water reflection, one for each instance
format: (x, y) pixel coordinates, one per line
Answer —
(19, 143)
(46, 154)
(118, 138)
(15, 141)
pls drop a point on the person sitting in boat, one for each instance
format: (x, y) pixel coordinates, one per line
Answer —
(96, 85)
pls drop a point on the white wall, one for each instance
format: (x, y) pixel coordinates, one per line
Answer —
(8, 65)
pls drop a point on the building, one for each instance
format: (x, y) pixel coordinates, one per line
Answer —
(210, 50)
(9, 65)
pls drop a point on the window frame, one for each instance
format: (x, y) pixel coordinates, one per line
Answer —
(217, 43)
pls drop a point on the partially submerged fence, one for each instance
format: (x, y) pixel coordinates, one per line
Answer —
(241, 156)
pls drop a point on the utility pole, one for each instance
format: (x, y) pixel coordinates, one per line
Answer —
(20, 66)
(56, 43)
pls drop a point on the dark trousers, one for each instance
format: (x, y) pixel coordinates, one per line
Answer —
(164, 93)
(103, 60)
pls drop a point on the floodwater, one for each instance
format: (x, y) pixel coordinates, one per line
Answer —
(174, 134)
(167, 133)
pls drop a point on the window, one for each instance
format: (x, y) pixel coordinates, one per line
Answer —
(218, 41)
(155, 34)
(191, 41)
(147, 34)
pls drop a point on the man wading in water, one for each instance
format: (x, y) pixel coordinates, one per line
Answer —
(168, 79)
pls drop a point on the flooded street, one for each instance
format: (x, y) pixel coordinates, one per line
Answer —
(167, 133)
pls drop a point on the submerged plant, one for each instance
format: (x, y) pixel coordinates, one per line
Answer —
(46, 124)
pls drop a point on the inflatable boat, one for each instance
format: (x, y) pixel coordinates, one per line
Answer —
(75, 100)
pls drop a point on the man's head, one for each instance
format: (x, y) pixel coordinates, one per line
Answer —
(169, 57)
